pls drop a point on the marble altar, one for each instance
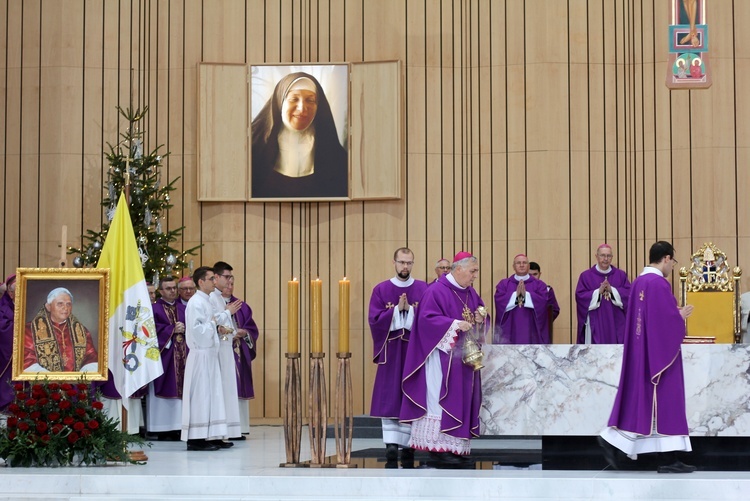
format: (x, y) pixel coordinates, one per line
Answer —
(560, 389)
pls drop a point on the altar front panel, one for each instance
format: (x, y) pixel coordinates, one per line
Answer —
(569, 389)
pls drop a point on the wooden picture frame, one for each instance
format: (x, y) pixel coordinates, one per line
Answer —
(80, 302)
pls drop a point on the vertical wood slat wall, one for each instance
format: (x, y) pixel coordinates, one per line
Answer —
(537, 126)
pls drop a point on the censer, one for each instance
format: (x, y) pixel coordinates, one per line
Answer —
(472, 354)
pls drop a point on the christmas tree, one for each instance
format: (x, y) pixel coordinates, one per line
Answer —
(140, 175)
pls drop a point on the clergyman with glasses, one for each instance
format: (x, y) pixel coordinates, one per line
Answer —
(164, 417)
(223, 313)
(204, 420)
(601, 301)
(442, 267)
(393, 307)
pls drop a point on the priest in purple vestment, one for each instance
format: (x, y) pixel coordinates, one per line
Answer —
(7, 308)
(602, 300)
(521, 307)
(649, 411)
(442, 394)
(442, 266)
(165, 395)
(244, 346)
(393, 306)
(186, 289)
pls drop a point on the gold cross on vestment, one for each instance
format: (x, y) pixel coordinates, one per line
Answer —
(641, 295)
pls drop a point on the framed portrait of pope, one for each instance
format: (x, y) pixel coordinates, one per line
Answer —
(61, 324)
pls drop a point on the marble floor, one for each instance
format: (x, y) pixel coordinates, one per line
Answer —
(250, 471)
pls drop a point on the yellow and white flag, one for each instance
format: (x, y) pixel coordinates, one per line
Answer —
(133, 346)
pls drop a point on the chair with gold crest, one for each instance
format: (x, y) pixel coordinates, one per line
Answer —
(713, 288)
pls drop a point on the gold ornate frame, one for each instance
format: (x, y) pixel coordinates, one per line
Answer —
(710, 271)
(90, 290)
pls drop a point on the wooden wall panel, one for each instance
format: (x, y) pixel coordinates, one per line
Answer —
(223, 132)
(541, 127)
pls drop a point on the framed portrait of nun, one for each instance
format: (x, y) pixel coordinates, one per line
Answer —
(299, 132)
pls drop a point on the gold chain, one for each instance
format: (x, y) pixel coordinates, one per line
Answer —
(466, 313)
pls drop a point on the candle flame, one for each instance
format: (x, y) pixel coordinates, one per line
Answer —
(294, 279)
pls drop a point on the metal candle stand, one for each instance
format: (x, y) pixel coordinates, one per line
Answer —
(344, 418)
(293, 410)
(317, 410)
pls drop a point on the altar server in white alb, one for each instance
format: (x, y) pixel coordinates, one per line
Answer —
(223, 312)
(204, 420)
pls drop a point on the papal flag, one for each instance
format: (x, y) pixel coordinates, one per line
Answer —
(133, 346)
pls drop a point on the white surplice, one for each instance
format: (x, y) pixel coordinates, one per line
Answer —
(227, 365)
(203, 411)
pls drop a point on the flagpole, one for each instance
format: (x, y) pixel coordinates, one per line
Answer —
(126, 187)
(63, 245)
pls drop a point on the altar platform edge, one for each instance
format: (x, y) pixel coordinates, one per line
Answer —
(250, 471)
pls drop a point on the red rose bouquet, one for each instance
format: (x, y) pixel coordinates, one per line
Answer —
(61, 424)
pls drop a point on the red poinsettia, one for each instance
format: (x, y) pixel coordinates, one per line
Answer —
(53, 424)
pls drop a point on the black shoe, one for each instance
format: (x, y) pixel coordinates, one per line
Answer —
(168, 436)
(676, 467)
(221, 444)
(446, 459)
(407, 458)
(610, 453)
(201, 445)
(234, 439)
(391, 452)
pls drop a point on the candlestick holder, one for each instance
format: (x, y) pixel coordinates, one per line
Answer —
(317, 410)
(292, 410)
(344, 417)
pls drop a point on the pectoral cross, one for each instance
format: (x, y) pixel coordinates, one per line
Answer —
(467, 315)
